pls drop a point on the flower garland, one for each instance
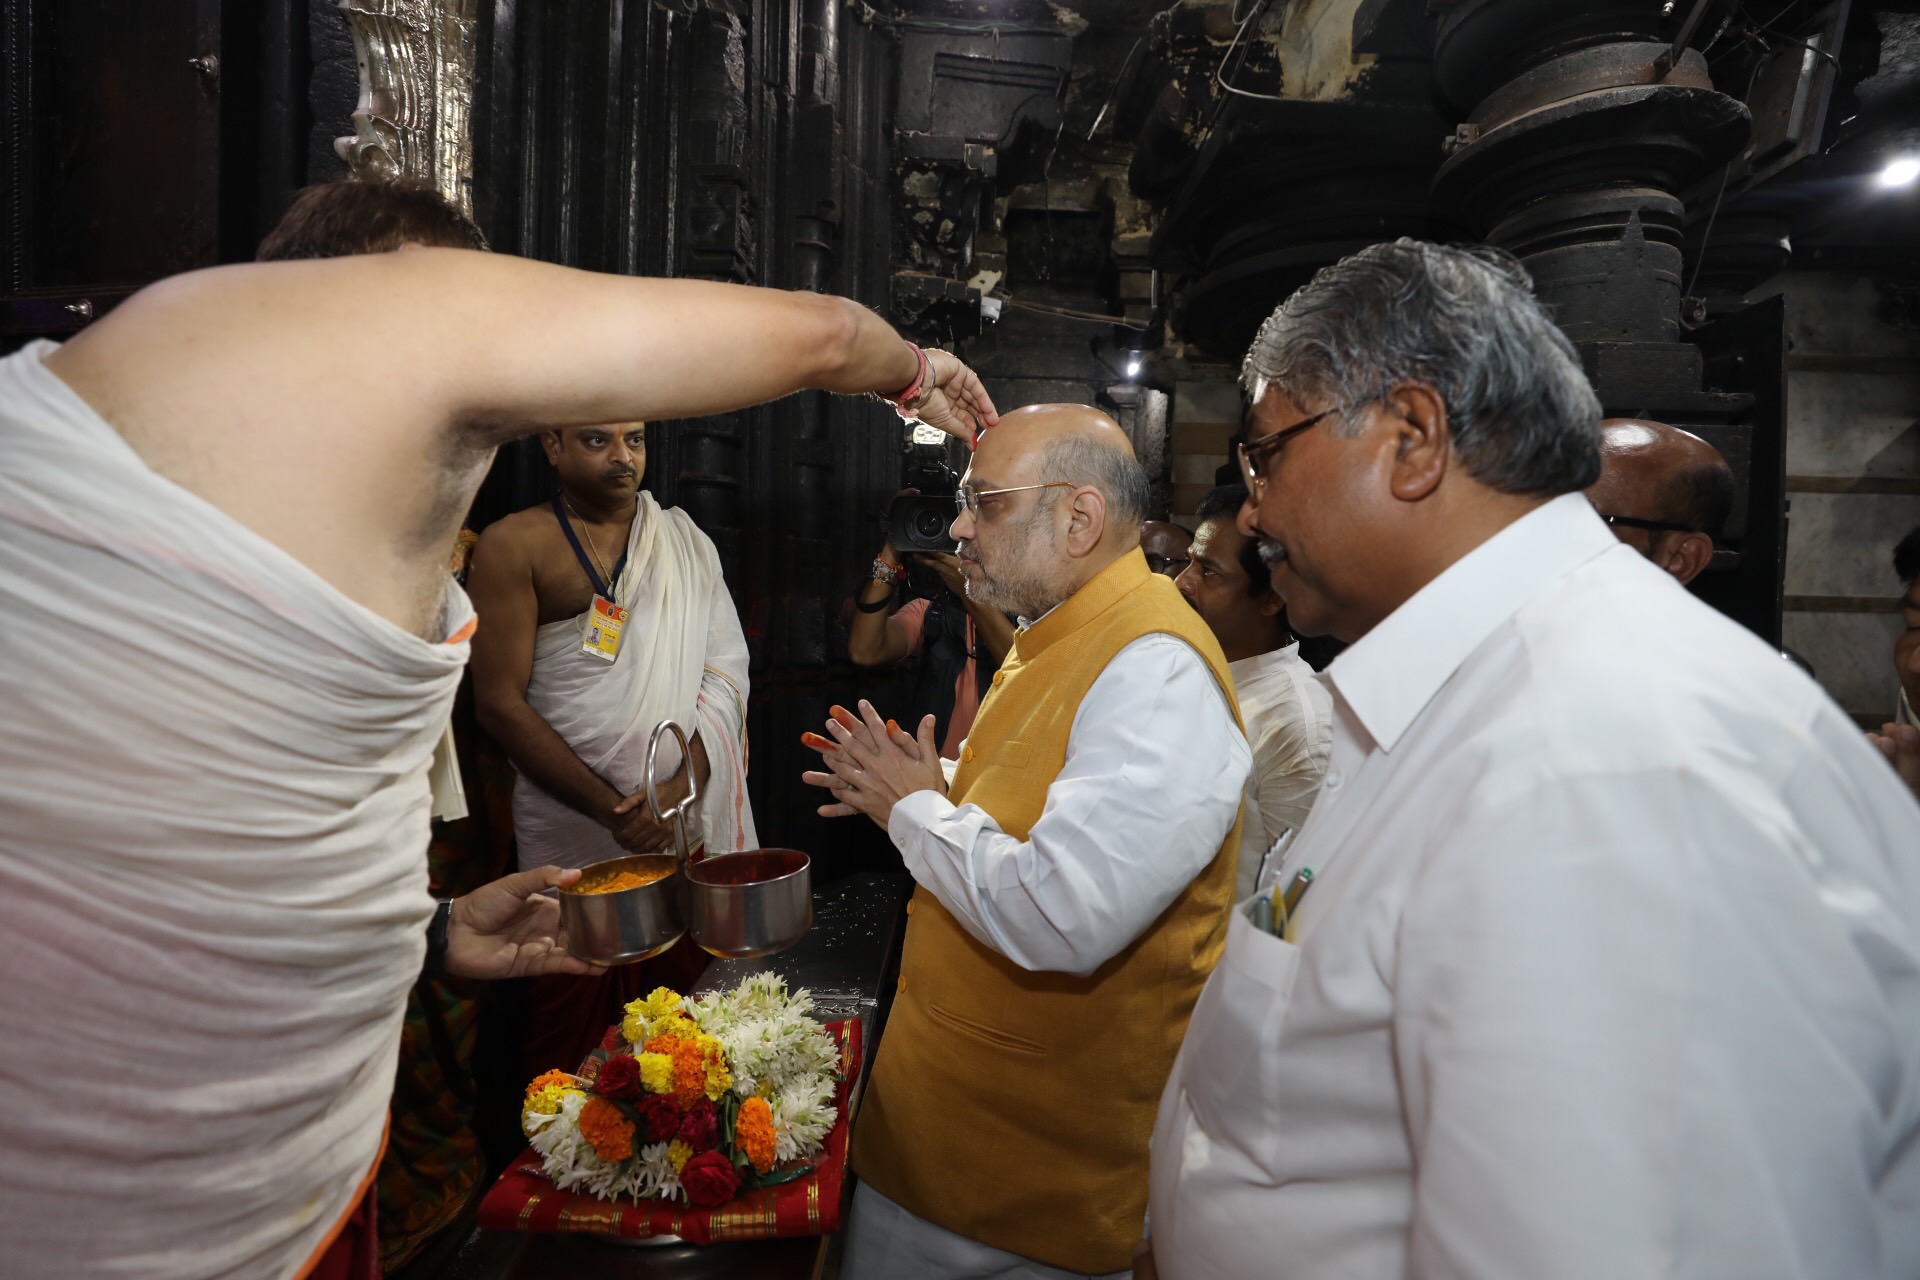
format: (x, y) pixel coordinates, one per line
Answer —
(692, 1099)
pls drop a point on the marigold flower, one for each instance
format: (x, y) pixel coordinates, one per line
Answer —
(753, 1132)
(719, 1078)
(689, 1072)
(610, 1132)
(544, 1101)
(546, 1078)
(662, 1002)
(679, 1153)
(656, 1072)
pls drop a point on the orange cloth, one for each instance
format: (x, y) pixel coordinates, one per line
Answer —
(1012, 1107)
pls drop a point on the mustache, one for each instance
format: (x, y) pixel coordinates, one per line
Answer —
(1271, 552)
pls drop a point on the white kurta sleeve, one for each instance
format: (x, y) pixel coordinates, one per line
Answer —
(1150, 788)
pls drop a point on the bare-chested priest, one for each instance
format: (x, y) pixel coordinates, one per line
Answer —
(573, 691)
(228, 645)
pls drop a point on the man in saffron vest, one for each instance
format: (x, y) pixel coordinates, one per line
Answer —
(1074, 875)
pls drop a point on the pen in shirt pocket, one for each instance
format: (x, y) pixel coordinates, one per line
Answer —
(1274, 911)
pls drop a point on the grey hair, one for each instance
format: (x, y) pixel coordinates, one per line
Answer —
(1110, 468)
(1464, 321)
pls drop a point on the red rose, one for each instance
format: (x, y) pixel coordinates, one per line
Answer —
(662, 1115)
(700, 1126)
(710, 1179)
(619, 1078)
(613, 1041)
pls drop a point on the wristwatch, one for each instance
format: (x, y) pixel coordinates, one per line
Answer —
(884, 572)
(437, 938)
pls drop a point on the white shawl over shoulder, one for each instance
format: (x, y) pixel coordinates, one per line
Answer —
(682, 657)
(213, 881)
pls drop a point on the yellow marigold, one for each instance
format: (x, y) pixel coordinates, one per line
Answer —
(753, 1131)
(656, 1072)
(652, 1015)
(679, 1153)
(662, 1003)
(544, 1101)
(610, 1132)
(719, 1077)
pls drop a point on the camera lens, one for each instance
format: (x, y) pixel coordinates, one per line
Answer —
(929, 526)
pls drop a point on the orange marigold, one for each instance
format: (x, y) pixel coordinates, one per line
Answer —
(689, 1072)
(753, 1130)
(546, 1078)
(610, 1132)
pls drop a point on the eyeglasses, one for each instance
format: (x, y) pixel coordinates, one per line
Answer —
(1256, 459)
(1651, 526)
(966, 500)
(1164, 564)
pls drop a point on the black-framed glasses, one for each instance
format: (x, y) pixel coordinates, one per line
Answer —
(966, 499)
(1257, 458)
(1170, 565)
(1651, 526)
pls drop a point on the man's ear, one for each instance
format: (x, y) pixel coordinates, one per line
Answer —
(550, 442)
(1423, 440)
(1268, 603)
(1086, 520)
(1687, 555)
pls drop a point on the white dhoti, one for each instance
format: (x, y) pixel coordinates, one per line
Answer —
(213, 882)
(682, 657)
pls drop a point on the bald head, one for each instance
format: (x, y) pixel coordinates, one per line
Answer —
(1059, 496)
(1675, 488)
(1070, 443)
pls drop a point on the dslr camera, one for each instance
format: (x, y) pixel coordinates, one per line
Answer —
(921, 523)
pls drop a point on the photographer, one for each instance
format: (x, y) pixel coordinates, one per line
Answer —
(959, 642)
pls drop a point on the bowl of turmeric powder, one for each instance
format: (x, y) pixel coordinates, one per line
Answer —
(624, 909)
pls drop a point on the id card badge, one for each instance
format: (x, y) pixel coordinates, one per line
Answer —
(604, 626)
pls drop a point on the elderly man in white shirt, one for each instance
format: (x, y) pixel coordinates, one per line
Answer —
(1288, 712)
(1074, 878)
(1608, 965)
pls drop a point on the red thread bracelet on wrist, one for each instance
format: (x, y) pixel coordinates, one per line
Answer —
(921, 377)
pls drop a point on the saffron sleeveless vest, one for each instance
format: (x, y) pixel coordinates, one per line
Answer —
(1013, 1107)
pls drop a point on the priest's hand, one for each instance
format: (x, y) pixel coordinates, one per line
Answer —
(872, 763)
(509, 929)
(956, 403)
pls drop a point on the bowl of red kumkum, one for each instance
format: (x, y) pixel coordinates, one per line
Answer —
(755, 903)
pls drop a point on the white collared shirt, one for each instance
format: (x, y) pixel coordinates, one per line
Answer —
(1153, 775)
(1609, 970)
(1289, 717)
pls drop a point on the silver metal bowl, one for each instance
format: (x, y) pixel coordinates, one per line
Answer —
(627, 924)
(741, 905)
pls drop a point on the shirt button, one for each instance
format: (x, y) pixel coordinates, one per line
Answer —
(966, 755)
(1333, 780)
(909, 906)
(903, 983)
(999, 677)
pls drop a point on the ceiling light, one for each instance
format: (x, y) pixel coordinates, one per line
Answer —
(1901, 172)
(1133, 367)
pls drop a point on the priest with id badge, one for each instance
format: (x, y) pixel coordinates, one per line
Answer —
(605, 614)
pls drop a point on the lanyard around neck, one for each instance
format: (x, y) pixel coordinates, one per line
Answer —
(604, 589)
